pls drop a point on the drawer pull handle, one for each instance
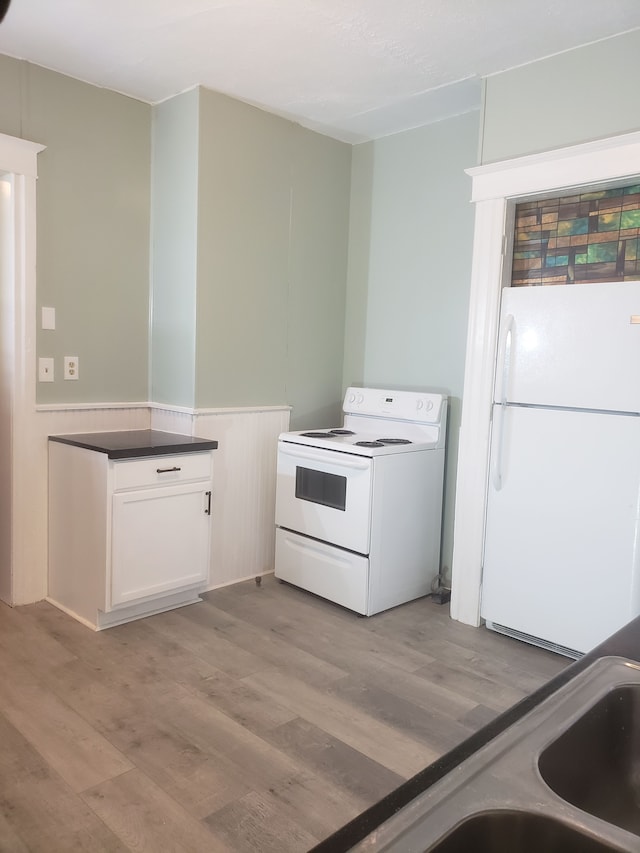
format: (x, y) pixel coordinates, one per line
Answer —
(208, 509)
(167, 470)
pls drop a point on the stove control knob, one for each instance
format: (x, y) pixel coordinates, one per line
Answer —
(360, 399)
(352, 398)
(420, 404)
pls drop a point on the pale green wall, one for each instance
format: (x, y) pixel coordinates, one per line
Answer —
(93, 235)
(12, 74)
(250, 217)
(584, 94)
(272, 254)
(243, 234)
(318, 254)
(360, 215)
(93, 227)
(412, 231)
(174, 217)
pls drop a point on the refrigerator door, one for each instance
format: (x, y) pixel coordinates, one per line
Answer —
(571, 346)
(562, 534)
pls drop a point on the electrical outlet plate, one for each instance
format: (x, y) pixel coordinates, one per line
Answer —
(71, 367)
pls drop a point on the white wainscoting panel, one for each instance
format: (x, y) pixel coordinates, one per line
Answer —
(244, 487)
(60, 420)
(168, 419)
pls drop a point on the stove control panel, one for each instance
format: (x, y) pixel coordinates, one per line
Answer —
(400, 405)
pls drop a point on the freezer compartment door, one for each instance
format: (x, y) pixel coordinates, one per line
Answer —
(330, 572)
(575, 346)
(561, 543)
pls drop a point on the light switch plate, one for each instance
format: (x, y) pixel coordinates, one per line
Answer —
(48, 318)
(45, 370)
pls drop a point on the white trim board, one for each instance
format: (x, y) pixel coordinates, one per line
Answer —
(85, 407)
(19, 156)
(18, 164)
(163, 407)
(495, 190)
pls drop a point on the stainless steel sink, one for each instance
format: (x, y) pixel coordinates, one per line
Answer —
(508, 831)
(595, 764)
(565, 777)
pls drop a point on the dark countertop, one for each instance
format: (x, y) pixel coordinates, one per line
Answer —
(131, 444)
(625, 643)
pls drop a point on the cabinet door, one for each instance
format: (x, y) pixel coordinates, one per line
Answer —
(160, 541)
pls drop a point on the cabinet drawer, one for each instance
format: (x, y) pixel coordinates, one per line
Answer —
(162, 470)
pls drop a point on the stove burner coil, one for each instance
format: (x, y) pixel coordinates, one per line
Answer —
(342, 432)
(369, 444)
(394, 441)
(317, 434)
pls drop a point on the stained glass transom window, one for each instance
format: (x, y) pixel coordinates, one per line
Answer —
(590, 237)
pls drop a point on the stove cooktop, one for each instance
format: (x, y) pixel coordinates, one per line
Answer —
(380, 422)
(363, 444)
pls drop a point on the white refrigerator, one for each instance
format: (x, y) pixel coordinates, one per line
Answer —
(561, 555)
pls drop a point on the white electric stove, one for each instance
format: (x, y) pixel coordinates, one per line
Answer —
(359, 507)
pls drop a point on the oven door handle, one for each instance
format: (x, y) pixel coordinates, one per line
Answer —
(328, 457)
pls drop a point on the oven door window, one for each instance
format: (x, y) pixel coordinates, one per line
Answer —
(321, 488)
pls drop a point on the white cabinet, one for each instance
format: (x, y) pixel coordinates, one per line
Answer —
(127, 537)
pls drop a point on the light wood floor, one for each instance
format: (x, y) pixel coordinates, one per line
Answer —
(262, 719)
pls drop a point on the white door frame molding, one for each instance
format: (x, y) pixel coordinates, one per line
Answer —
(18, 162)
(495, 190)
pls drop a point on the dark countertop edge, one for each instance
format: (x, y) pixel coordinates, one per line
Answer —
(625, 643)
(118, 444)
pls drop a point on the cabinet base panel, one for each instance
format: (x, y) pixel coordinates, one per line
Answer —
(134, 611)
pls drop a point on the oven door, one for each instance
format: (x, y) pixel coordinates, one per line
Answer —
(324, 494)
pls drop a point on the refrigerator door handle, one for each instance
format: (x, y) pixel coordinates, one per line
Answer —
(504, 361)
(504, 357)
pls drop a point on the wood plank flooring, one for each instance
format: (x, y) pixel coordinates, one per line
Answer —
(261, 719)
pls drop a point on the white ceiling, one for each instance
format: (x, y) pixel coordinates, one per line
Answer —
(353, 69)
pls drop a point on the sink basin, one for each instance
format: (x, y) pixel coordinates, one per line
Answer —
(564, 777)
(524, 832)
(595, 764)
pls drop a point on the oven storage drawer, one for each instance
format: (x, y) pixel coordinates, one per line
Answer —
(336, 575)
